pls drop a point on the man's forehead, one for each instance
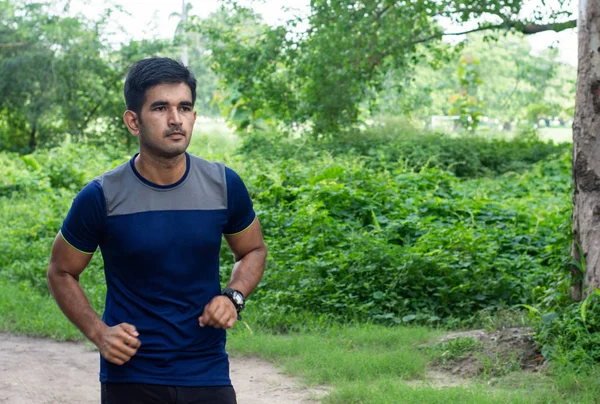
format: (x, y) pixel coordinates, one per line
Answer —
(171, 92)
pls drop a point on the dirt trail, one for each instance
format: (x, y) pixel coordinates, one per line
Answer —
(41, 371)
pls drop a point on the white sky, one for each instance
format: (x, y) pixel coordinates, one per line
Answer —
(151, 18)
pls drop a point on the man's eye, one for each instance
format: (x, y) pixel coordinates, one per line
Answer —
(159, 108)
(185, 109)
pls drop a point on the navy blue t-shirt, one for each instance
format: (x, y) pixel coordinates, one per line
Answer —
(160, 246)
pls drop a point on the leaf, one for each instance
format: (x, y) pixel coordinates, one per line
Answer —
(408, 318)
(378, 295)
(549, 317)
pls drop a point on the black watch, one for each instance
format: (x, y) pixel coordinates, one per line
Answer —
(236, 297)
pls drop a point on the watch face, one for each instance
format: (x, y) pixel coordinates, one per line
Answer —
(238, 298)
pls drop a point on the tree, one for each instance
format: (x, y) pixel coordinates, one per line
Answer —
(53, 79)
(195, 56)
(323, 74)
(466, 103)
(59, 77)
(586, 154)
(515, 84)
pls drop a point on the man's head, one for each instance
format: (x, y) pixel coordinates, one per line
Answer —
(160, 94)
(147, 73)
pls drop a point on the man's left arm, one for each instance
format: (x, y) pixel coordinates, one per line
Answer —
(250, 252)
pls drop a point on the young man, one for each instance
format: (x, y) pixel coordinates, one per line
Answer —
(158, 220)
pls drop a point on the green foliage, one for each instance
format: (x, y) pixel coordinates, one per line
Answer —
(392, 142)
(515, 83)
(51, 77)
(60, 78)
(366, 237)
(570, 335)
(465, 103)
(323, 70)
(36, 191)
(352, 234)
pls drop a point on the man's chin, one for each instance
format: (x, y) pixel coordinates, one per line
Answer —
(166, 151)
(175, 150)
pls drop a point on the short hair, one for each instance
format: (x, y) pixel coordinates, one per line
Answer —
(146, 73)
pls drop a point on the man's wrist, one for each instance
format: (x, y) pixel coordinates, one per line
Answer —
(236, 297)
(94, 335)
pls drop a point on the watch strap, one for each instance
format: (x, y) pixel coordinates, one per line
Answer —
(230, 292)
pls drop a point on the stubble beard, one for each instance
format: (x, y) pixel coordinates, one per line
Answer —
(160, 151)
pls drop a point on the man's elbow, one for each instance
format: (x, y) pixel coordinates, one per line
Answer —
(54, 275)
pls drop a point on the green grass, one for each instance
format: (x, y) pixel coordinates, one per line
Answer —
(365, 363)
(342, 353)
(30, 313)
(392, 391)
(455, 349)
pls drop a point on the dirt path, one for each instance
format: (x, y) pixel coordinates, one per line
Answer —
(41, 371)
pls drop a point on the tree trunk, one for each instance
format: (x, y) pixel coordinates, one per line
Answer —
(32, 139)
(586, 152)
(184, 50)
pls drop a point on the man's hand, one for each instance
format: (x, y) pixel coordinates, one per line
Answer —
(219, 313)
(119, 343)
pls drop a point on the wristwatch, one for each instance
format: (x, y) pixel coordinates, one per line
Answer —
(236, 297)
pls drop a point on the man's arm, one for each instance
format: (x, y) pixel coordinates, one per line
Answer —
(250, 253)
(116, 344)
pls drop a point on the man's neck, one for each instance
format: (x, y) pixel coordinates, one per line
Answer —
(160, 171)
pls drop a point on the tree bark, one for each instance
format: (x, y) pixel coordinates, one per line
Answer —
(32, 139)
(586, 153)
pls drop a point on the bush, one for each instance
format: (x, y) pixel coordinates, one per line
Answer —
(356, 242)
(466, 156)
(349, 238)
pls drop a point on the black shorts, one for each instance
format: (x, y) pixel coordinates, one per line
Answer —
(138, 393)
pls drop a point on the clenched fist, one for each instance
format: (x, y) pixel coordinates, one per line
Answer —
(119, 343)
(219, 313)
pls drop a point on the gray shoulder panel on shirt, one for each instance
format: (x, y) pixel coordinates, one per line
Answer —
(204, 188)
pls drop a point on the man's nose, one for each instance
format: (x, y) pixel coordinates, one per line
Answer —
(174, 117)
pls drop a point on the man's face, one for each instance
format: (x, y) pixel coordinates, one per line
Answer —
(167, 120)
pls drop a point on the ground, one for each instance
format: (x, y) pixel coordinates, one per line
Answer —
(41, 371)
(487, 354)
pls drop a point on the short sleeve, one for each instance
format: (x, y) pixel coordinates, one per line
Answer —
(84, 224)
(239, 206)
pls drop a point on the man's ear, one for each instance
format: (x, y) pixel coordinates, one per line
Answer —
(132, 122)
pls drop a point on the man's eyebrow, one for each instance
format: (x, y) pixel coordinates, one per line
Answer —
(158, 104)
(163, 103)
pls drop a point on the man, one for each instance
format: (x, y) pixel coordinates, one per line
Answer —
(158, 220)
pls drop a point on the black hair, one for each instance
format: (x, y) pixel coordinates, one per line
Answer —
(149, 72)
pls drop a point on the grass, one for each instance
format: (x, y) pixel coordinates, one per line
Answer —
(392, 391)
(455, 349)
(367, 363)
(360, 363)
(29, 313)
(342, 353)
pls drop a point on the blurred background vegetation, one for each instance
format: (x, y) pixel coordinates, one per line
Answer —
(400, 179)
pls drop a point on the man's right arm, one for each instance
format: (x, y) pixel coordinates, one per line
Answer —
(116, 344)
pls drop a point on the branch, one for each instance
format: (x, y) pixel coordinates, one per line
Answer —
(527, 29)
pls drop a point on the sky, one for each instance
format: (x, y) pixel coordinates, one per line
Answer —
(151, 19)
